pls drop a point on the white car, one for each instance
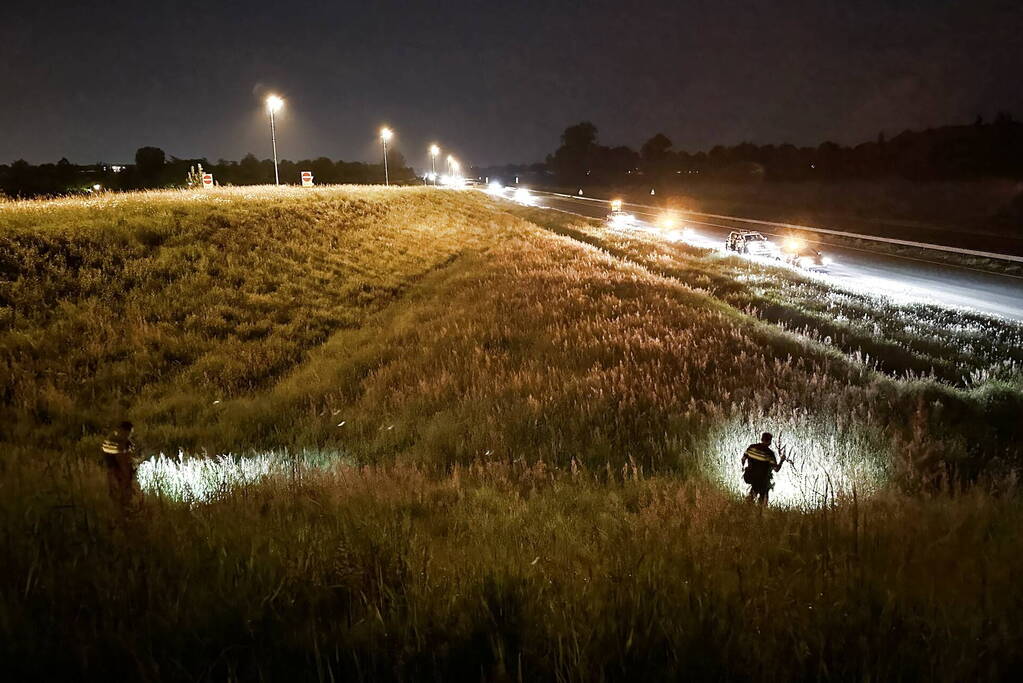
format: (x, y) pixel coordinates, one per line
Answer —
(753, 243)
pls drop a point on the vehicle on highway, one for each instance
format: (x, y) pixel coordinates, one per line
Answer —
(751, 242)
(619, 218)
(798, 253)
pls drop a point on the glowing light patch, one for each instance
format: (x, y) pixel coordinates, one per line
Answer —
(200, 480)
(453, 180)
(523, 196)
(622, 220)
(693, 238)
(889, 289)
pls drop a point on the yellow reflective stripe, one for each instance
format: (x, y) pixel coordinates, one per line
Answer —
(111, 447)
(755, 455)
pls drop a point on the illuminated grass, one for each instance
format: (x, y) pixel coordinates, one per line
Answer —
(203, 479)
(825, 466)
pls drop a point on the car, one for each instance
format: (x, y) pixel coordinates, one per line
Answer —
(751, 242)
(798, 253)
(619, 218)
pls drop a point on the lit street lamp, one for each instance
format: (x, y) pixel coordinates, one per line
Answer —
(434, 151)
(385, 135)
(273, 104)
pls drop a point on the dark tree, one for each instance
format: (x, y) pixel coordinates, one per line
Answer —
(616, 163)
(250, 171)
(149, 162)
(656, 155)
(574, 160)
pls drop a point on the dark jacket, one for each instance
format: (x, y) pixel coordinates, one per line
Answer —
(760, 464)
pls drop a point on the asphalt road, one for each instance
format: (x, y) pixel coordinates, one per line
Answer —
(902, 278)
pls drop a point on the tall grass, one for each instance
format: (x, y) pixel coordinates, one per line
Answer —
(165, 305)
(507, 571)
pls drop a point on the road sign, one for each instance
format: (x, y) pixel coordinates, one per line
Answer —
(307, 178)
(207, 180)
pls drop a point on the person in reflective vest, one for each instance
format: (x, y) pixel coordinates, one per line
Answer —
(119, 457)
(760, 464)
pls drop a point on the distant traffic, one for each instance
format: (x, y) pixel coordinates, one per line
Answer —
(909, 279)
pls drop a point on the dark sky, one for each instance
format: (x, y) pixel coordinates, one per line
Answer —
(495, 81)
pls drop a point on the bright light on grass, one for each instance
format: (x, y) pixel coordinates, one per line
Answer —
(824, 466)
(200, 480)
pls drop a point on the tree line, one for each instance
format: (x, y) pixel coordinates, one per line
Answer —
(152, 169)
(978, 150)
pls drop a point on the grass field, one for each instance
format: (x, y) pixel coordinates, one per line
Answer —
(470, 440)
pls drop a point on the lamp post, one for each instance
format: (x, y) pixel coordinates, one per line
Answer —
(273, 104)
(434, 151)
(385, 135)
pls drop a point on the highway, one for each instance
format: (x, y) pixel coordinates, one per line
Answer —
(904, 279)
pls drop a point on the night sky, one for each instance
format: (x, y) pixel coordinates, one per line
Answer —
(494, 81)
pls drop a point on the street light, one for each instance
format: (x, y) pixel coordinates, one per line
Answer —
(434, 151)
(385, 135)
(273, 104)
(451, 160)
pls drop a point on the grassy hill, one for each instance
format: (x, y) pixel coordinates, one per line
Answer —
(502, 442)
